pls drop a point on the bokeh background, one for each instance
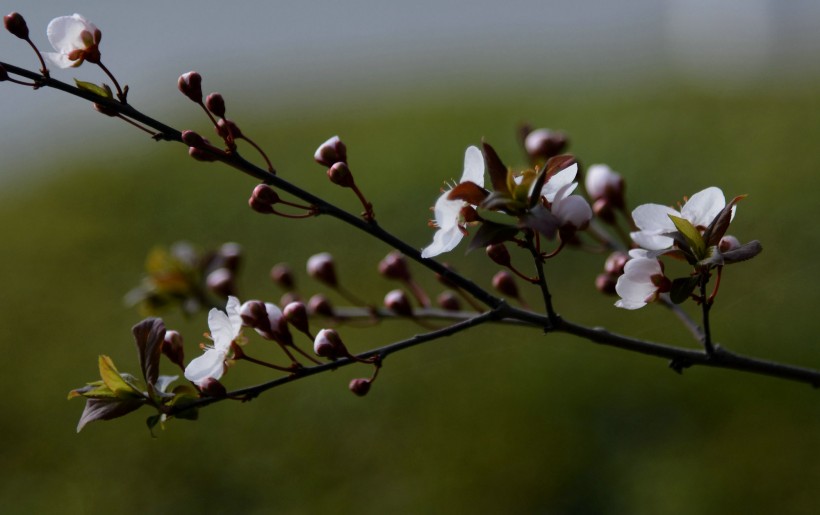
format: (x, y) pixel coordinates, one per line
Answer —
(676, 95)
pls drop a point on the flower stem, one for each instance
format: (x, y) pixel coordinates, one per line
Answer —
(706, 305)
(120, 93)
(542, 280)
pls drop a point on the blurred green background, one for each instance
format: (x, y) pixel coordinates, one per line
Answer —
(490, 421)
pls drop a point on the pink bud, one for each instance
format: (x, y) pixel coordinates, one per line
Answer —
(499, 254)
(328, 344)
(263, 198)
(504, 283)
(331, 152)
(253, 313)
(16, 24)
(190, 84)
(192, 139)
(172, 348)
(215, 104)
(448, 300)
(322, 268)
(226, 128)
(340, 175)
(231, 254)
(605, 283)
(222, 282)
(603, 183)
(394, 266)
(397, 302)
(210, 387)
(296, 314)
(728, 243)
(282, 275)
(544, 143)
(615, 263)
(360, 386)
(320, 305)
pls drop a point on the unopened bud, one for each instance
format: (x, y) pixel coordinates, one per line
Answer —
(296, 314)
(16, 24)
(602, 182)
(252, 313)
(397, 302)
(215, 104)
(505, 284)
(288, 297)
(201, 155)
(340, 175)
(192, 139)
(231, 254)
(226, 128)
(320, 305)
(262, 199)
(499, 254)
(210, 387)
(448, 300)
(544, 143)
(190, 84)
(172, 348)
(605, 283)
(603, 210)
(322, 268)
(360, 386)
(394, 266)
(615, 263)
(107, 111)
(331, 152)
(222, 282)
(728, 243)
(282, 274)
(328, 344)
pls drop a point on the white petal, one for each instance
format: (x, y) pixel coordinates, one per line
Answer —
(221, 329)
(59, 60)
(642, 269)
(473, 166)
(654, 217)
(64, 33)
(704, 206)
(446, 211)
(232, 309)
(599, 178)
(443, 241)
(573, 210)
(628, 304)
(558, 181)
(210, 364)
(651, 240)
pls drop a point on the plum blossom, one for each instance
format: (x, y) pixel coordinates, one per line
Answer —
(655, 225)
(641, 282)
(75, 40)
(225, 329)
(572, 211)
(447, 213)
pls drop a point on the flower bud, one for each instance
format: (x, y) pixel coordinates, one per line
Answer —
(288, 297)
(605, 283)
(397, 302)
(221, 282)
(603, 183)
(320, 305)
(360, 386)
(614, 264)
(394, 266)
(296, 314)
(282, 275)
(262, 199)
(16, 24)
(322, 268)
(107, 111)
(448, 300)
(211, 387)
(499, 254)
(190, 84)
(504, 283)
(226, 128)
(331, 152)
(253, 312)
(728, 243)
(231, 254)
(215, 104)
(192, 139)
(328, 344)
(172, 348)
(544, 143)
(201, 155)
(340, 175)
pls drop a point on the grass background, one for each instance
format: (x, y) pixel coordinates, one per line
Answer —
(503, 420)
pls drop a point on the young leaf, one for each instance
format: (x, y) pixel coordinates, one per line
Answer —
(496, 168)
(106, 409)
(103, 91)
(149, 335)
(742, 253)
(717, 229)
(114, 381)
(535, 189)
(691, 235)
(490, 233)
(682, 288)
(469, 192)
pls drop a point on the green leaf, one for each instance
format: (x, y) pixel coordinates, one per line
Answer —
(107, 409)
(682, 288)
(95, 390)
(691, 235)
(114, 381)
(102, 91)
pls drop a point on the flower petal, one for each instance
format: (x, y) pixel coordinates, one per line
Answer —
(558, 181)
(64, 32)
(473, 166)
(60, 60)
(221, 330)
(446, 211)
(704, 206)
(444, 240)
(232, 309)
(210, 364)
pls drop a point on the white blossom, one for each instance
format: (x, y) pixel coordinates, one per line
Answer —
(225, 329)
(75, 39)
(640, 282)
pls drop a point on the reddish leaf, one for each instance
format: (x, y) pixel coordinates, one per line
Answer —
(149, 335)
(105, 409)
(498, 171)
(469, 192)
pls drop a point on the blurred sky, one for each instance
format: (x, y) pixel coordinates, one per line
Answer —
(321, 53)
